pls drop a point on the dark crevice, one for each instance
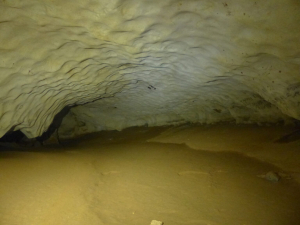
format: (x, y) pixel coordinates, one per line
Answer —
(58, 118)
(12, 137)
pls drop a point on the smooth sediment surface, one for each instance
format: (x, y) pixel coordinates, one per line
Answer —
(188, 175)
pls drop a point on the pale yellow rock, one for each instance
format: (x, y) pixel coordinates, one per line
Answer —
(155, 222)
(137, 62)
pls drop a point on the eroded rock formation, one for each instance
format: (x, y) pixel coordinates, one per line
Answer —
(137, 62)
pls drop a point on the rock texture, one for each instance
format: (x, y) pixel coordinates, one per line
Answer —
(137, 62)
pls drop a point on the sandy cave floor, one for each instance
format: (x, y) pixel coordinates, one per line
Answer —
(187, 175)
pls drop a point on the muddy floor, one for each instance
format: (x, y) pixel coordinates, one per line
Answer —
(187, 175)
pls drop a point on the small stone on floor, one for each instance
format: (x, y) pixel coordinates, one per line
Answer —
(155, 222)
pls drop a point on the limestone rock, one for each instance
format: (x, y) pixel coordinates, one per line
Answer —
(122, 63)
(271, 176)
(155, 222)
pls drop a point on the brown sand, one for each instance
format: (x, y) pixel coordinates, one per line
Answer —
(188, 175)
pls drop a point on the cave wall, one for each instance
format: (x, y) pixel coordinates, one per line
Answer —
(138, 62)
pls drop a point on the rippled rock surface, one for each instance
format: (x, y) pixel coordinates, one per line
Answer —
(135, 62)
